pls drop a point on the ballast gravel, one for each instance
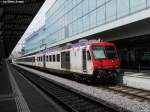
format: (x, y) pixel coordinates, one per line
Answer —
(108, 96)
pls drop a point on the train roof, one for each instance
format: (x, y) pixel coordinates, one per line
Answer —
(81, 44)
(102, 43)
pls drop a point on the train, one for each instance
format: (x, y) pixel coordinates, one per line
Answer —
(92, 61)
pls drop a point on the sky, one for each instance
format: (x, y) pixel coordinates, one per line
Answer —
(37, 22)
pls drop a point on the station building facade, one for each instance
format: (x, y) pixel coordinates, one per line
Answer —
(124, 22)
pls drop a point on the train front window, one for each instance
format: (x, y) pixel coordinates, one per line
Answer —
(98, 52)
(110, 52)
(104, 52)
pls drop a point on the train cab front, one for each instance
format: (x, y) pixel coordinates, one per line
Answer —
(106, 62)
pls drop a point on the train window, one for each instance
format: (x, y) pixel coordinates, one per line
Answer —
(110, 52)
(58, 57)
(46, 58)
(98, 52)
(104, 52)
(50, 58)
(53, 57)
(88, 55)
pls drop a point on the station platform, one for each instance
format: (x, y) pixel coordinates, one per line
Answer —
(130, 78)
(137, 79)
(19, 95)
(6, 93)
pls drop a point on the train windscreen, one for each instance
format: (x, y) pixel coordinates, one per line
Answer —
(104, 52)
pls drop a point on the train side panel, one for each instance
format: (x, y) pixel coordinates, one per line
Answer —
(53, 60)
(29, 60)
(39, 60)
(89, 62)
(75, 60)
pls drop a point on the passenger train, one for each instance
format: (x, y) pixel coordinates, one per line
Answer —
(94, 61)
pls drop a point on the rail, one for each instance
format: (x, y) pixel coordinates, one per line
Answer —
(70, 100)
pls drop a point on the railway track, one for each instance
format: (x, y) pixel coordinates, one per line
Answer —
(132, 93)
(72, 101)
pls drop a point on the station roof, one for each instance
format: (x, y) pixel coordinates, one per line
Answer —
(14, 20)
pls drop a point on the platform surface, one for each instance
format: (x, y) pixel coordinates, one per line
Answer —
(17, 94)
(7, 100)
(137, 79)
(100, 93)
(5, 86)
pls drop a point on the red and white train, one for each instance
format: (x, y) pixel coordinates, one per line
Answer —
(91, 60)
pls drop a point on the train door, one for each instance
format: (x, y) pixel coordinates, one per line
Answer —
(84, 60)
(89, 63)
(44, 61)
(68, 60)
(65, 60)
